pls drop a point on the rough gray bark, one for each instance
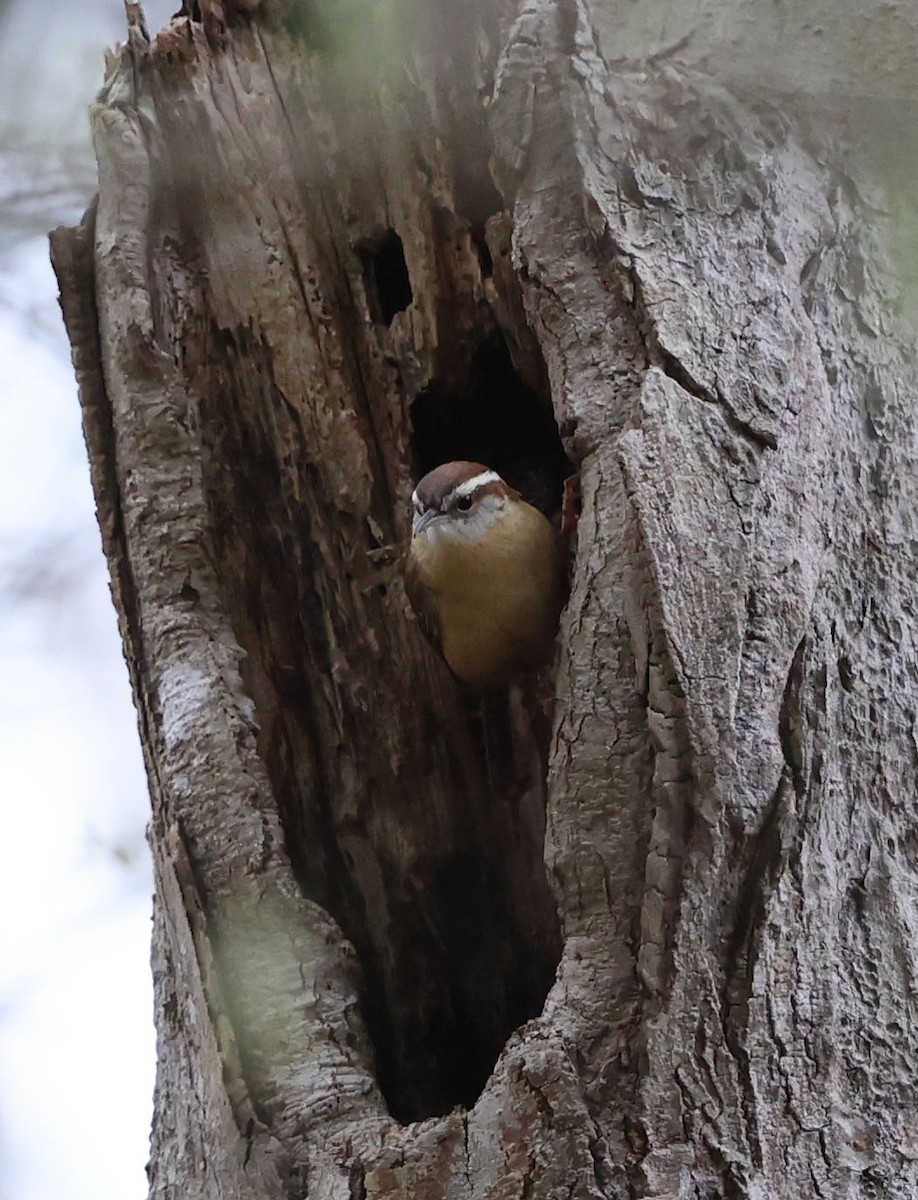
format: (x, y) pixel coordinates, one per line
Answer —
(366, 879)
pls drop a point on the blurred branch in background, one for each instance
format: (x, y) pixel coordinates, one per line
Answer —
(38, 183)
(50, 67)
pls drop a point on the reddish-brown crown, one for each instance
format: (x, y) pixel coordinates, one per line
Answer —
(447, 481)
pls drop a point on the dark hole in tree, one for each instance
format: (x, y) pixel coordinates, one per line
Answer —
(385, 274)
(480, 242)
(430, 856)
(497, 935)
(495, 419)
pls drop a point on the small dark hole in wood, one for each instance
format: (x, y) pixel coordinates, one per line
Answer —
(483, 251)
(846, 673)
(386, 279)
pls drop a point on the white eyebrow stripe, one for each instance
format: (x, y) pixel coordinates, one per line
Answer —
(415, 499)
(468, 486)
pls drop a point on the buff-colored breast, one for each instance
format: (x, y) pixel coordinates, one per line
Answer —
(497, 597)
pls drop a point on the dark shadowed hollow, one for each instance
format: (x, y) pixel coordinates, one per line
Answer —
(413, 810)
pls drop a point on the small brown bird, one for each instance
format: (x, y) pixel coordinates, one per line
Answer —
(483, 574)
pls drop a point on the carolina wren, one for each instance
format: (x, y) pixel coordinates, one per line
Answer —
(484, 574)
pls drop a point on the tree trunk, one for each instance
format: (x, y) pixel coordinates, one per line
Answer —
(405, 945)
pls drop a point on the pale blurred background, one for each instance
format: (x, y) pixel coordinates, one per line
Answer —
(77, 1048)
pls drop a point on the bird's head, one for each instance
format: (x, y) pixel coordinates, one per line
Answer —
(459, 500)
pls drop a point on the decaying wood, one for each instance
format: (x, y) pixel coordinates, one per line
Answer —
(395, 954)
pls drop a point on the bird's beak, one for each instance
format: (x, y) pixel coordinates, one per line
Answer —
(424, 520)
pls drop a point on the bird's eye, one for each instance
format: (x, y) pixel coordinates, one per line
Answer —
(464, 503)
